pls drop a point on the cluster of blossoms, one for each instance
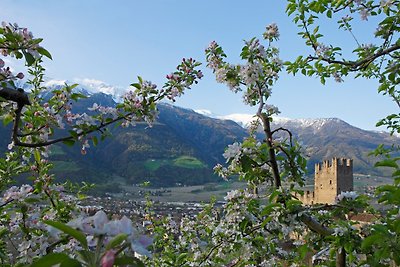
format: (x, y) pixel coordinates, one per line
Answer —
(272, 32)
(185, 75)
(271, 110)
(23, 37)
(38, 238)
(99, 225)
(323, 50)
(258, 73)
(17, 193)
(28, 216)
(6, 73)
(386, 3)
(233, 152)
(255, 48)
(349, 195)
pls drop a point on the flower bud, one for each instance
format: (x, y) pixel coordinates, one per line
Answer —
(108, 259)
(20, 75)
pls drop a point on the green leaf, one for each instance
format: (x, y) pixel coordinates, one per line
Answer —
(86, 255)
(95, 140)
(387, 163)
(131, 261)
(44, 52)
(76, 96)
(246, 162)
(29, 58)
(78, 235)
(31, 200)
(137, 85)
(69, 142)
(36, 155)
(116, 241)
(56, 258)
(73, 134)
(182, 258)
(7, 119)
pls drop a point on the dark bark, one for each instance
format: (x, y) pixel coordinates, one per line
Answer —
(341, 258)
(15, 95)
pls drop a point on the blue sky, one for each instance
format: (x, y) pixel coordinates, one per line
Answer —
(112, 42)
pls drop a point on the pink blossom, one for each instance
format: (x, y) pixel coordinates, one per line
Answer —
(20, 75)
(140, 245)
(116, 227)
(108, 258)
(271, 32)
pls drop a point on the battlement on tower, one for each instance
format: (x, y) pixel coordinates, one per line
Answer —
(336, 164)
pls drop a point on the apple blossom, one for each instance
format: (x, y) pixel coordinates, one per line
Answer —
(108, 258)
(272, 32)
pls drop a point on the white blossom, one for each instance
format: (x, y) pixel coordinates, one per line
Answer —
(271, 32)
(347, 195)
(233, 151)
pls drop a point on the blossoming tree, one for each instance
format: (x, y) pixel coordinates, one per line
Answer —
(379, 61)
(33, 220)
(264, 224)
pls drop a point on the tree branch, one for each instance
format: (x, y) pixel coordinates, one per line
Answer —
(285, 130)
(18, 96)
(315, 226)
(17, 142)
(360, 64)
(268, 133)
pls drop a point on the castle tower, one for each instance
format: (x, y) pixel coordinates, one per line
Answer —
(332, 178)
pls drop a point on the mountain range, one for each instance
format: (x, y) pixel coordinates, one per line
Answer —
(183, 146)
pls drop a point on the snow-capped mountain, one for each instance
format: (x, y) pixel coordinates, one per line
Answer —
(86, 87)
(324, 138)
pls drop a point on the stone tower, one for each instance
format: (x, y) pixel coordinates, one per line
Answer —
(332, 178)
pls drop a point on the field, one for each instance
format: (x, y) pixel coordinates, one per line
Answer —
(183, 162)
(63, 166)
(197, 193)
(203, 193)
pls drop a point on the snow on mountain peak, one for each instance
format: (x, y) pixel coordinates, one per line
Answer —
(205, 112)
(316, 123)
(245, 119)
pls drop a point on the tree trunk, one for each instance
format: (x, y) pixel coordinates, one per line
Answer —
(341, 258)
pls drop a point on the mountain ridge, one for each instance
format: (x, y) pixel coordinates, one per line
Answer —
(183, 146)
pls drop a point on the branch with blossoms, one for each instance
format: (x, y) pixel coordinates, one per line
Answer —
(30, 131)
(371, 58)
(257, 162)
(255, 79)
(378, 60)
